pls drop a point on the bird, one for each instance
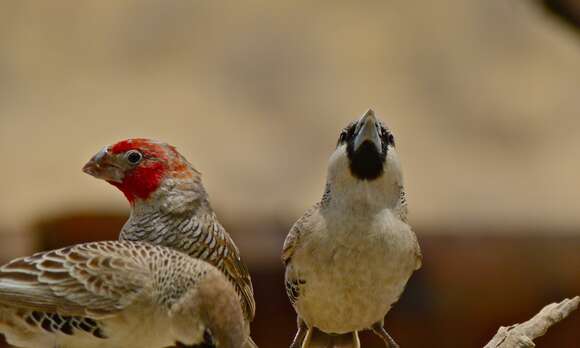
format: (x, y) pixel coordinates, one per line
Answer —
(348, 258)
(113, 294)
(170, 207)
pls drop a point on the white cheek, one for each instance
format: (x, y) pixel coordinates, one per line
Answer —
(339, 174)
(393, 165)
(338, 160)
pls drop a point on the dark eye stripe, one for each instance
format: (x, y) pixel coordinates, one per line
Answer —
(388, 138)
(341, 138)
(347, 133)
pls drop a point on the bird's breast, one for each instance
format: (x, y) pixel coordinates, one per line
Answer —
(353, 271)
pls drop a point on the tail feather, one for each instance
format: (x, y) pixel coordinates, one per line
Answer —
(318, 339)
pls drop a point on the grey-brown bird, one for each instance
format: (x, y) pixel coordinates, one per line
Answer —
(118, 294)
(170, 207)
(349, 257)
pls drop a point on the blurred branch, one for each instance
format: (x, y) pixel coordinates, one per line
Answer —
(522, 335)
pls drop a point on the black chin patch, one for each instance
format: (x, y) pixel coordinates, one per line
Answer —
(367, 163)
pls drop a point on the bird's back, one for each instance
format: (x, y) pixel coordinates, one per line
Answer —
(103, 294)
(200, 235)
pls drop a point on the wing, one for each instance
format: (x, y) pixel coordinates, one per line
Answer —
(290, 242)
(209, 241)
(237, 272)
(200, 237)
(93, 279)
(402, 206)
(418, 253)
(292, 281)
(295, 234)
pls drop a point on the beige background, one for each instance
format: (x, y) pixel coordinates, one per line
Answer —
(483, 98)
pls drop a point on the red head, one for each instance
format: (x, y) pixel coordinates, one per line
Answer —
(138, 166)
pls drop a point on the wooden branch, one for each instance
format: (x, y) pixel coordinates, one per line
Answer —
(522, 335)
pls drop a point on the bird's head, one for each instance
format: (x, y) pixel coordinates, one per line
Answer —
(144, 169)
(365, 158)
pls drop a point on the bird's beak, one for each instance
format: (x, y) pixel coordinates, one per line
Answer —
(367, 131)
(102, 166)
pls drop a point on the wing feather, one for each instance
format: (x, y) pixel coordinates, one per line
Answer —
(296, 232)
(238, 272)
(94, 278)
(210, 242)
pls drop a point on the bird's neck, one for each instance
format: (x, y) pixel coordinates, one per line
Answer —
(363, 196)
(175, 218)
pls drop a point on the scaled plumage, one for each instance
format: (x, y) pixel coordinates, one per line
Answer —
(118, 294)
(170, 207)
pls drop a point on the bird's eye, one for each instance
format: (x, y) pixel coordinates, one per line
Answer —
(134, 156)
(341, 138)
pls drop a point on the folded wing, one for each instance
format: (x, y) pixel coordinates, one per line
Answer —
(93, 279)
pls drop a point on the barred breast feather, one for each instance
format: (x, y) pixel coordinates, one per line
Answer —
(200, 236)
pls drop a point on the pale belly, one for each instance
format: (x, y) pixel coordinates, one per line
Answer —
(354, 283)
(122, 331)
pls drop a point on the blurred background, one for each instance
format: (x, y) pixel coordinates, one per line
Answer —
(483, 98)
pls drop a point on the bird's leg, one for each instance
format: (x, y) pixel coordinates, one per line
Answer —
(380, 331)
(349, 340)
(302, 329)
(356, 340)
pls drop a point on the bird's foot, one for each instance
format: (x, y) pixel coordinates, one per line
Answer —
(380, 331)
(300, 334)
